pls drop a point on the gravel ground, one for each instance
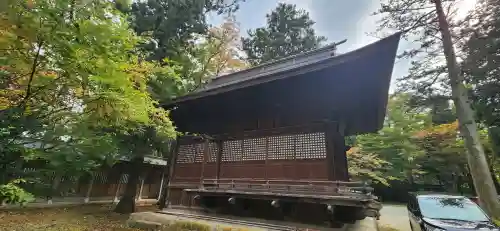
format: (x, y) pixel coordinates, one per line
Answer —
(395, 216)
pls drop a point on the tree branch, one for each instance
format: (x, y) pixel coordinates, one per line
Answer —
(32, 74)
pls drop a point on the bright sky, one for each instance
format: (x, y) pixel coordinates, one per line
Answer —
(335, 19)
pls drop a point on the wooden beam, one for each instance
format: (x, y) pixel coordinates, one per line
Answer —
(205, 158)
(330, 143)
(220, 149)
(340, 156)
(170, 170)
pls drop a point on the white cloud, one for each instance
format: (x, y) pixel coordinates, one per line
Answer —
(364, 25)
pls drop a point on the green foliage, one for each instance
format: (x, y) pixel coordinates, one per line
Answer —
(288, 31)
(433, 26)
(482, 57)
(176, 40)
(411, 147)
(417, 19)
(72, 81)
(174, 24)
(394, 142)
(218, 52)
(444, 157)
(11, 193)
(367, 166)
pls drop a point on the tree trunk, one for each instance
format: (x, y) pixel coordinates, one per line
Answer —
(90, 184)
(468, 128)
(411, 182)
(54, 186)
(126, 205)
(171, 159)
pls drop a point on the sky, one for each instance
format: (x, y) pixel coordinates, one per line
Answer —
(335, 19)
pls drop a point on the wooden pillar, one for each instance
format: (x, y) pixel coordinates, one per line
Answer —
(266, 162)
(204, 160)
(139, 196)
(330, 140)
(160, 191)
(168, 173)
(220, 149)
(340, 156)
(171, 172)
(117, 192)
(336, 152)
(89, 188)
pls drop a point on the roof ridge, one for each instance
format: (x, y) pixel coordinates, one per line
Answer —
(332, 46)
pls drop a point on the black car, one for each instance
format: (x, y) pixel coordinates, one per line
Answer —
(436, 212)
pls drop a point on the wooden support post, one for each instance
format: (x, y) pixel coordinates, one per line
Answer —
(267, 157)
(89, 188)
(118, 184)
(296, 176)
(167, 173)
(330, 140)
(139, 196)
(204, 160)
(242, 146)
(171, 164)
(340, 156)
(161, 186)
(220, 149)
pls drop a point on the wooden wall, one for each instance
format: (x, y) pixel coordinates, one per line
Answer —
(291, 153)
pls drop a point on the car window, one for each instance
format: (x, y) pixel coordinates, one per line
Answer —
(450, 208)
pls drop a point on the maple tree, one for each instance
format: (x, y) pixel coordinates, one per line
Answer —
(218, 52)
(367, 166)
(69, 72)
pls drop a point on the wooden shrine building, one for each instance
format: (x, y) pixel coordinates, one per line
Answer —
(272, 136)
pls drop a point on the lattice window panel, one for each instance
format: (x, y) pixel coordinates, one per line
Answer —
(311, 146)
(186, 153)
(213, 150)
(254, 149)
(281, 147)
(100, 177)
(199, 147)
(123, 179)
(232, 151)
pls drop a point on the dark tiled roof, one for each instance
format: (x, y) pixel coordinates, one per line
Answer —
(278, 69)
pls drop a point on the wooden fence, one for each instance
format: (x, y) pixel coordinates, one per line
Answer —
(104, 184)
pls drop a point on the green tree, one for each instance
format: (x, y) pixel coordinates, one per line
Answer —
(367, 166)
(172, 25)
(481, 65)
(174, 29)
(394, 143)
(288, 31)
(69, 72)
(445, 158)
(429, 21)
(217, 52)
